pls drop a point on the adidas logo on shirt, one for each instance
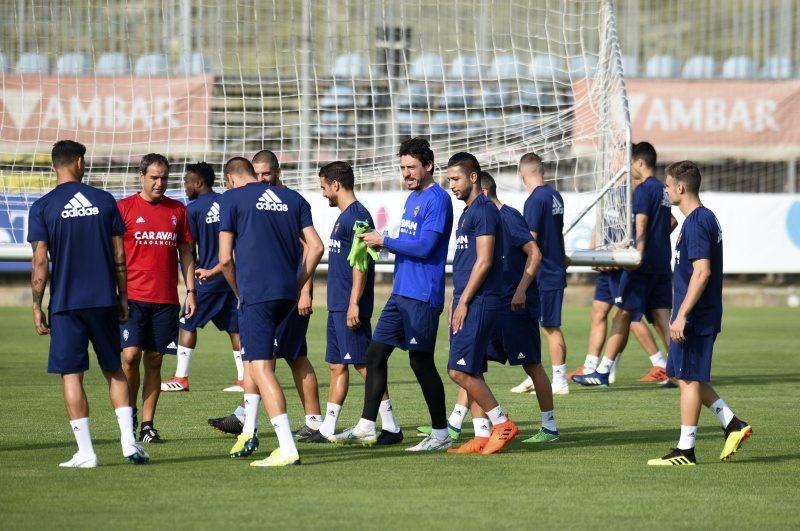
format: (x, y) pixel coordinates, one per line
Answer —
(213, 213)
(461, 362)
(79, 207)
(140, 219)
(270, 201)
(558, 208)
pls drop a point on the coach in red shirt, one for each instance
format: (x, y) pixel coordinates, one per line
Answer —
(157, 237)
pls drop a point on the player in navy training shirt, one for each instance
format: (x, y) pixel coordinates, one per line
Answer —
(645, 289)
(82, 230)
(262, 225)
(544, 214)
(410, 318)
(477, 292)
(215, 300)
(350, 304)
(696, 317)
(290, 340)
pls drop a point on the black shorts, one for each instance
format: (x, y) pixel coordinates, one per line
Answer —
(151, 326)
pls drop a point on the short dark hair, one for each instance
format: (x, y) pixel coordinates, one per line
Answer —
(150, 159)
(466, 161)
(204, 171)
(66, 152)
(267, 156)
(646, 152)
(417, 147)
(488, 183)
(340, 172)
(687, 173)
(534, 160)
(238, 166)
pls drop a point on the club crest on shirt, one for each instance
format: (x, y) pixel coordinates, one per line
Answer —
(416, 211)
(337, 227)
(174, 220)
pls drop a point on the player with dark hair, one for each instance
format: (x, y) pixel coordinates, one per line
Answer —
(157, 240)
(696, 317)
(350, 303)
(215, 300)
(410, 319)
(81, 229)
(477, 289)
(645, 289)
(267, 167)
(544, 214)
(260, 230)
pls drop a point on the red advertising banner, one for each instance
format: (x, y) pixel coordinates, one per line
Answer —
(112, 116)
(707, 119)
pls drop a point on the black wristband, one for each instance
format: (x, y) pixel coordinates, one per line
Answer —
(188, 291)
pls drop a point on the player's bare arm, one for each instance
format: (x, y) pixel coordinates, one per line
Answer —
(359, 284)
(186, 256)
(484, 253)
(305, 303)
(39, 276)
(641, 235)
(529, 273)
(701, 272)
(311, 256)
(226, 260)
(121, 270)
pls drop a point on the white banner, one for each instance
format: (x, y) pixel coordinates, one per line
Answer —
(761, 231)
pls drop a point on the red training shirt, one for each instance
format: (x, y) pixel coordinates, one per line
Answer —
(152, 234)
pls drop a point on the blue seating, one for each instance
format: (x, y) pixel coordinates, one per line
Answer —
(113, 64)
(662, 66)
(193, 64)
(32, 63)
(73, 64)
(154, 65)
(738, 67)
(699, 67)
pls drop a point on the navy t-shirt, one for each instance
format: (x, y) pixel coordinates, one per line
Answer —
(700, 238)
(267, 223)
(78, 221)
(203, 214)
(481, 218)
(650, 199)
(340, 273)
(515, 236)
(422, 279)
(544, 214)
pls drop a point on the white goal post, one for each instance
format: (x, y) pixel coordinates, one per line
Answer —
(316, 81)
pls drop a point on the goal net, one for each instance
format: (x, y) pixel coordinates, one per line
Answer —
(316, 81)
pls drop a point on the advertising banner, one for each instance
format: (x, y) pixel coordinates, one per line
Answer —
(120, 116)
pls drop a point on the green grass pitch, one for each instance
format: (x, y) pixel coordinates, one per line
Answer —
(595, 477)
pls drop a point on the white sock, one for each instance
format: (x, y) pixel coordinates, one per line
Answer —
(590, 363)
(722, 411)
(237, 359)
(456, 418)
(559, 374)
(388, 421)
(184, 359)
(658, 360)
(496, 416)
(688, 436)
(605, 365)
(549, 421)
(80, 429)
(365, 426)
(284, 432)
(125, 422)
(314, 421)
(251, 402)
(481, 426)
(440, 434)
(328, 426)
(239, 412)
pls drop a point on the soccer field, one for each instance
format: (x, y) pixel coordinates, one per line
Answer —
(594, 477)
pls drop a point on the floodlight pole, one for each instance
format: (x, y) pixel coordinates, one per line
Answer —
(305, 93)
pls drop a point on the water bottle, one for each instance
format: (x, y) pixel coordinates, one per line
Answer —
(384, 254)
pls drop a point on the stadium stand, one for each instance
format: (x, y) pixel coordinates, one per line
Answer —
(32, 63)
(113, 64)
(73, 64)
